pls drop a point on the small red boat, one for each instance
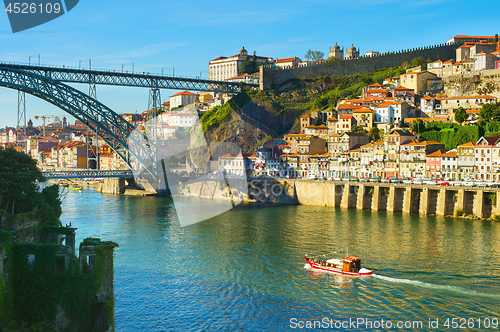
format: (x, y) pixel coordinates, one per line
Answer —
(350, 266)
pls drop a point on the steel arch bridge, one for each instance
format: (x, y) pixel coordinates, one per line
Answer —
(119, 78)
(118, 133)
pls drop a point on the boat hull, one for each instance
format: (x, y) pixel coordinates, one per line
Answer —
(319, 267)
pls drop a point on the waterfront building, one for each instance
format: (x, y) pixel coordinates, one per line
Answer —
(465, 161)
(235, 164)
(449, 165)
(483, 153)
(413, 157)
(433, 164)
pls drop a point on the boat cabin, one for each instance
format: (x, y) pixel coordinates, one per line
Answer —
(351, 264)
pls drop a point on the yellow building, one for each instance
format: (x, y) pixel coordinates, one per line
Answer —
(417, 80)
(364, 117)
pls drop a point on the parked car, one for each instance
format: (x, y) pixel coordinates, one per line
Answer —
(444, 183)
(469, 184)
(495, 185)
(417, 181)
(407, 180)
(345, 179)
(354, 179)
(385, 180)
(337, 179)
(363, 180)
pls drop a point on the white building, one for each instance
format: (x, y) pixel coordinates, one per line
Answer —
(393, 112)
(182, 98)
(222, 68)
(449, 164)
(483, 153)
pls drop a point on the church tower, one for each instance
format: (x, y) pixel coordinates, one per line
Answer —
(352, 53)
(336, 52)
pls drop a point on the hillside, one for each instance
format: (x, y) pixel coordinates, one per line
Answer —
(253, 117)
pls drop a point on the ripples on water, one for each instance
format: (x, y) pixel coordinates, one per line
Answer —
(244, 270)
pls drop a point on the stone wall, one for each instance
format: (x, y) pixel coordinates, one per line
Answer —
(422, 199)
(486, 82)
(270, 78)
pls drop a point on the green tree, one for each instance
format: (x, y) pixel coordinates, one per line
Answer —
(417, 126)
(460, 115)
(487, 111)
(405, 65)
(374, 133)
(496, 38)
(245, 66)
(18, 178)
(332, 59)
(367, 80)
(314, 55)
(418, 61)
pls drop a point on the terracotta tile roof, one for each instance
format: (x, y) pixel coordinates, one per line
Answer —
(285, 59)
(437, 153)
(470, 144)
(363, 110)
(450, 154)
(184, 93)
(375, 85)
(348, 106)
(402, 88)
(304, 116)
(346, 116)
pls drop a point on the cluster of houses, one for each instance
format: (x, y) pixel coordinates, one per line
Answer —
(353, 155)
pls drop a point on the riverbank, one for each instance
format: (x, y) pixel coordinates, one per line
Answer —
(448, 201)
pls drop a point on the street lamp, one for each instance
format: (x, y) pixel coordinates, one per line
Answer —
(173, 70)
(90, 63)
(201, 73)
(128, 63)
(31, 56)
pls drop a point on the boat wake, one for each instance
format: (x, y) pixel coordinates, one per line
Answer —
(454, 289)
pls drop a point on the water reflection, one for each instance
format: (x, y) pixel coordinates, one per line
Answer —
(244, 269)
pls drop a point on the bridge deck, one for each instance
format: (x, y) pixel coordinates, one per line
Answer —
(87, 174)
(126, 78)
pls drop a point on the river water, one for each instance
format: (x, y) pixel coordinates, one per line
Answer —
(244, 270)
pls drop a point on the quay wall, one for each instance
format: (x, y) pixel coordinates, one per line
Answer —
(473, 202)
(468, 202)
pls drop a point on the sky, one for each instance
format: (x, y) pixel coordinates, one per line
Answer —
(186, 35)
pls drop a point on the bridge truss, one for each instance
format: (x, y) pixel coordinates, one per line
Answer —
(145, 80)
(118, 133)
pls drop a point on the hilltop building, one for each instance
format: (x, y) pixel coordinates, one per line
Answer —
(352, 53)
(336, 52)
(223, 68)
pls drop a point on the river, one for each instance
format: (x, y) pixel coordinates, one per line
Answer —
(244, 269)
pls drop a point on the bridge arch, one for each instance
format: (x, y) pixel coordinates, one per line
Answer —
(118, 133)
